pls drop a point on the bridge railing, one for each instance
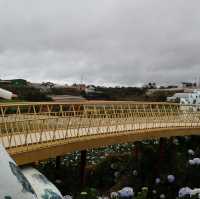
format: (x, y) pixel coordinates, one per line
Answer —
(36, 123)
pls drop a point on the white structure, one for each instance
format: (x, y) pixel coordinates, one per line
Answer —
(192, 98)
(177, 96)
(42, 187)
(90, 89)
(6, 94)
(23, 183)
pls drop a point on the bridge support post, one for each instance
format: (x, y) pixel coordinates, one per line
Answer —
(58, 162)
(161, 155)
(82, 167)
(137, 151)
(162, 149)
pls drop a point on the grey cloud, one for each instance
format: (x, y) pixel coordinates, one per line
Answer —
(106, 42)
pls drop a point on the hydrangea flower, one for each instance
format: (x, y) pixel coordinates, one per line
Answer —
(191, 162)
(171, 178)
(135, 173)
(113, 166)
(175, 141)
(195, 161)
(84, 193)
(126, 192)
(190, 152)
(154, 191)
(114, 195)
(162, 196)
(67, 197)
(157, 181)
(185, 191)
(144, 188)
(195, 192)
(116, 174)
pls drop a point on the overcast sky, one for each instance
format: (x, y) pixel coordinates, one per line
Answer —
(110, 42)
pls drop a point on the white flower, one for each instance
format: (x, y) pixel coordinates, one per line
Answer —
(144, 188)
(154, 191)
(156, 142)
(162, 196)
(175, 141)
(184, 192)
(135, 173)
(93, 162)
(195, 192)
(197, 161)
(116, 174)
(157, 180)
(114, 195)
(126, 192)
(67, 197)
(190, 152)
(191, 162)
(83, 193)
(113, 166)
(171, 178)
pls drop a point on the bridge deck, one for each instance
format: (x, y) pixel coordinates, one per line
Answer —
(33, 132)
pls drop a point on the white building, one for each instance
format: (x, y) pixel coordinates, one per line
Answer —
(90, 89)
(177, 96)
(192, 98)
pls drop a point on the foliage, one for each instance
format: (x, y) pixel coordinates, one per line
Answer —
(26, 93)
(160, 96)
(129, 94)
(63, 91)
(119, 93)
(89, 193)
(133, 165)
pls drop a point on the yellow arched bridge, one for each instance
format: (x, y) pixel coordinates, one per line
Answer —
(37, 131)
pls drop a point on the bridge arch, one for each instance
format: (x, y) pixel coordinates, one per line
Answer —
(46, 152)
(37, 131)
